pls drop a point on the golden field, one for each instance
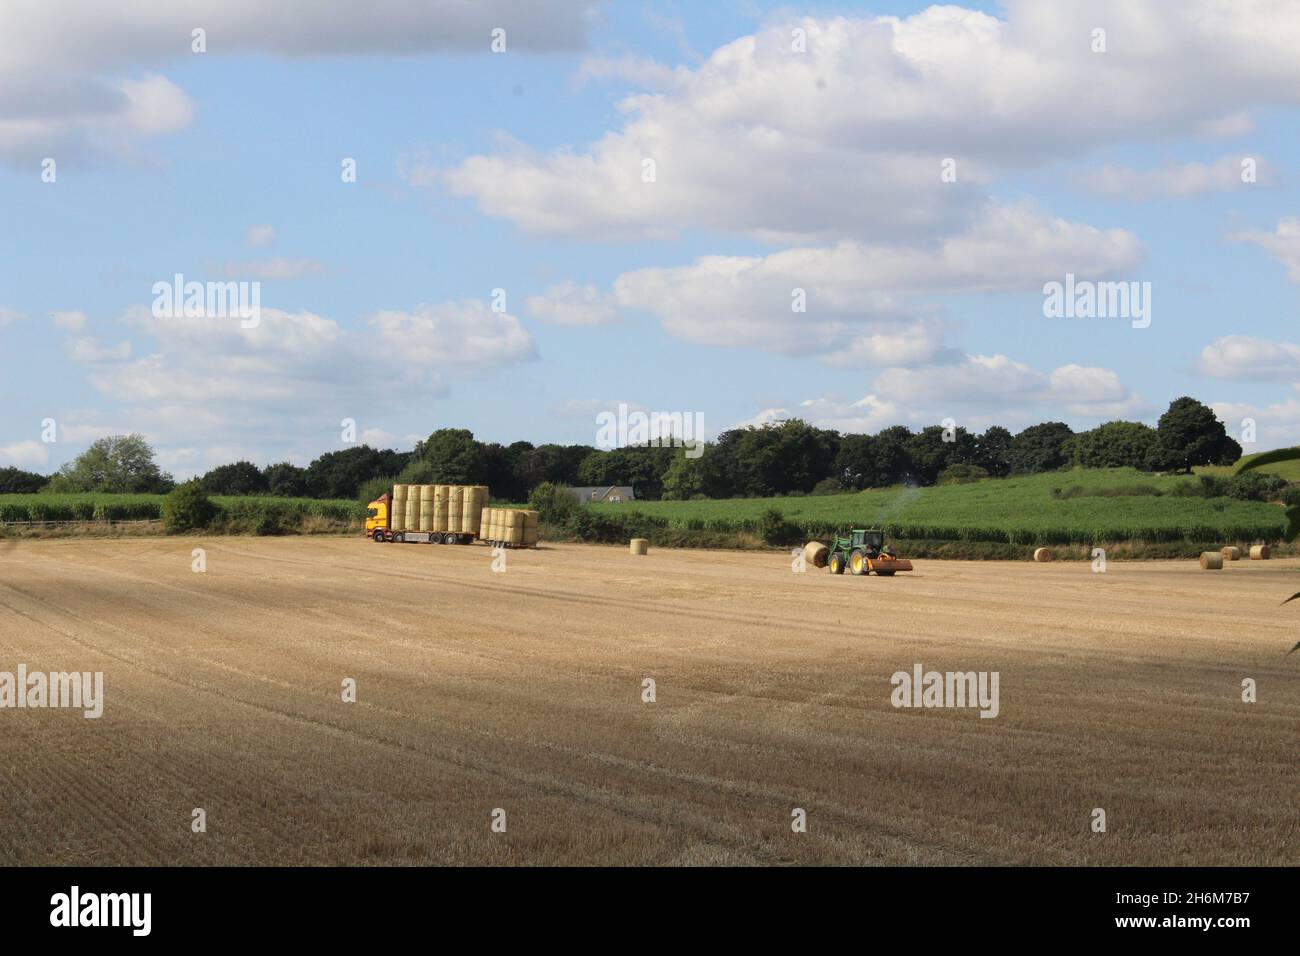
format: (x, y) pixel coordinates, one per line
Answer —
(522, 690)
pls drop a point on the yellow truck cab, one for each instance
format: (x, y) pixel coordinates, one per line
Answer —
(377, 518)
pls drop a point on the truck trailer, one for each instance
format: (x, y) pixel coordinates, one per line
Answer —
(427, 514)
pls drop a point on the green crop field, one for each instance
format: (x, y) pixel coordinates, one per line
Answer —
(1021, 510)
(106, 507)
(1290, 470)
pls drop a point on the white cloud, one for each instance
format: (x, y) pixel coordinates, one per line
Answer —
(846, 139)
(996, 381)
(206, 384)
(10, 316)
(23, 454)
(74, 75)
(1283, 244)
(262, 235)
(87, 350)
(571, 304)
(869, 304)
(277, 268)
(1175, 180)
(69, 321)
(1251, 359)
(1276, 425)
(464, 334)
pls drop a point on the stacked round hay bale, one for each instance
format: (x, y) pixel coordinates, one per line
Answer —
(639, 546)
(472, 509)
(426, 508)
(484, 523)
(1230, 553)
(530, 528)
(515, 527)
(440, 495)
(1211, 561)
(1260, 552)
(397, 508)
(413, 509)
(455, 507)
(1043, 554)
(816, 553)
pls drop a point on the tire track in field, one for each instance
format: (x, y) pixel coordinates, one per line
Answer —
(645, 810)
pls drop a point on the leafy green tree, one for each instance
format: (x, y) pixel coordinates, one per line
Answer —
(15, 481)
(688, 478)
(554, 503)
(777, 458)
(1114, 445)
(241, 478)
(285, 480)
(893, 462)
(120, 464)
(187, 508)
(993, 450)
(930, 453)
(855, 462)
(340, 474)
(454, 456)
(1039, 448)
(1189, 434)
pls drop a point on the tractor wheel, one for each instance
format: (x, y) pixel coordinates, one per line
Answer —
(858, 562)
(836, 563)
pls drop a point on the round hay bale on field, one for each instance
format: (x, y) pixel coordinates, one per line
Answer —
(1211, 560)
(1043, 554)
(815, 553)
(640, 546)
(1260, 552)
(1230, 553)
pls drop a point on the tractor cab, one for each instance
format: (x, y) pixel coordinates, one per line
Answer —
(870, 540)
(377, 515)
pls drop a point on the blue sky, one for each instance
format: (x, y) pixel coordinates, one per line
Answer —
(776, 169)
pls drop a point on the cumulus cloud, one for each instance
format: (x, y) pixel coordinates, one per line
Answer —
(1276, 425)
(1283, 244)
(847, 137)
(205, 383)
(277, 268)
(869, 304)
(998, 381)
(9, 316)
(76, 76)
(262, 235)
(23, 454)
(1247, 358)
(571, 304)
(975, 390)
(1175, 180)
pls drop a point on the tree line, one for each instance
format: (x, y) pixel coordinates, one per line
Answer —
(782, 458)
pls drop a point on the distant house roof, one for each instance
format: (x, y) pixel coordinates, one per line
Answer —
(604, 493)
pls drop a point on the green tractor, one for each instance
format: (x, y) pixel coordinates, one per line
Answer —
(864, 551)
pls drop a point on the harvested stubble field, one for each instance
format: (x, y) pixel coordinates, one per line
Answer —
(522, 690)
